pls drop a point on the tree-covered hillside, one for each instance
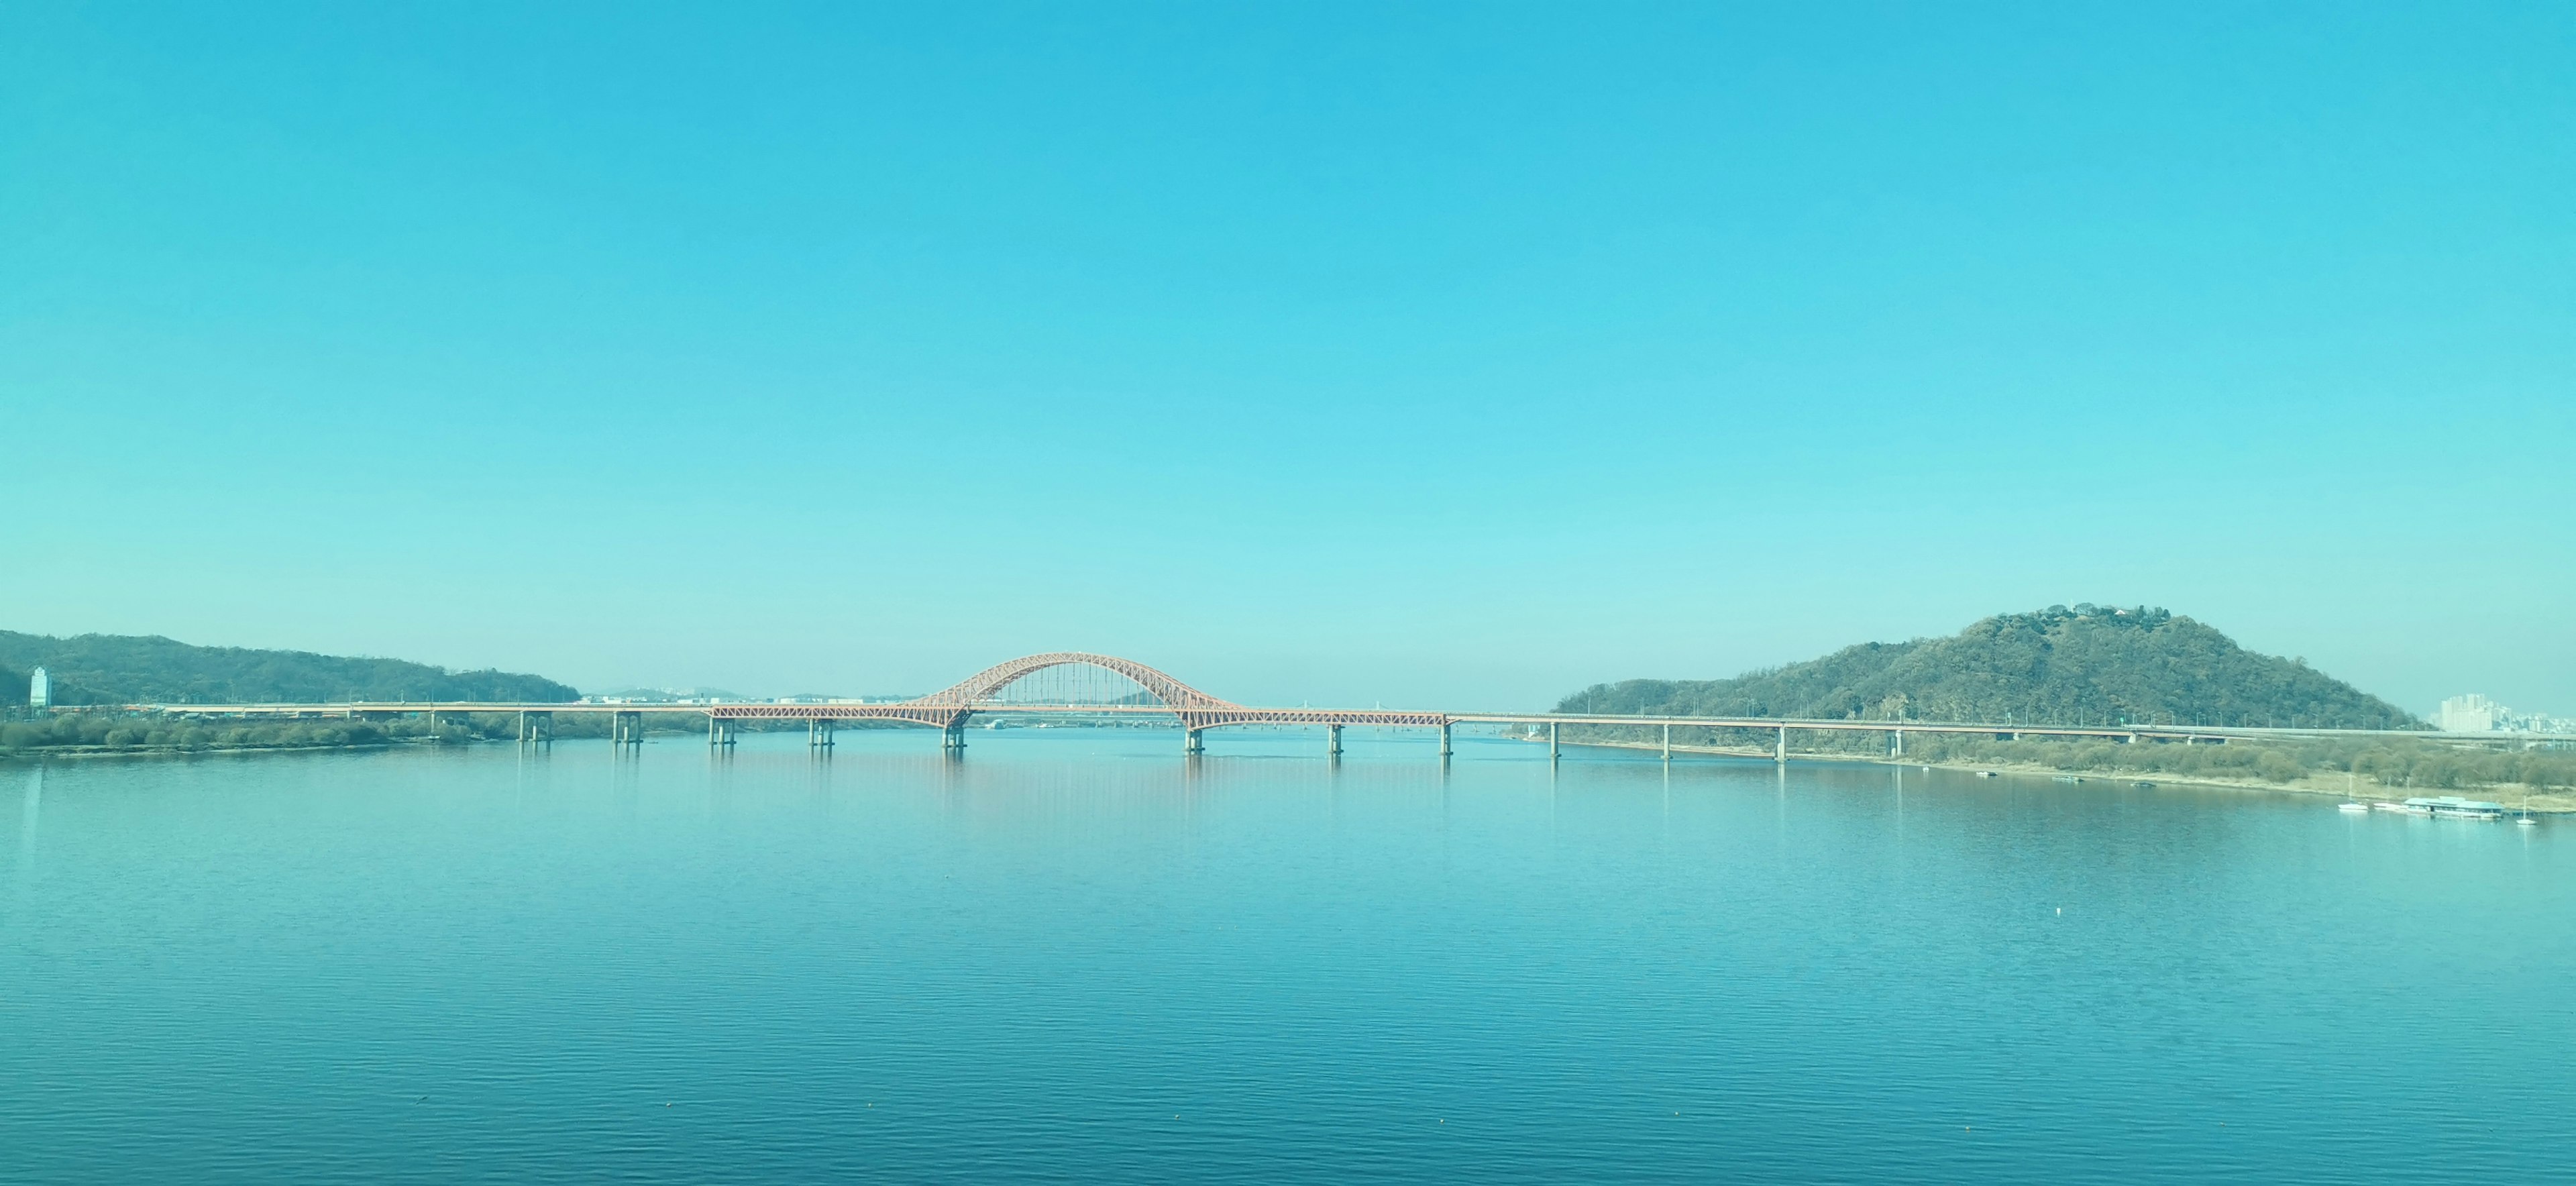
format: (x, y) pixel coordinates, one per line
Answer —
(121, 669)
(2084, 665)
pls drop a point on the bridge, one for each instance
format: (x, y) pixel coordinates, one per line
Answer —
(1075, 684)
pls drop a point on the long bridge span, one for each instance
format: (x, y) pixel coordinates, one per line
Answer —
(1081, 684)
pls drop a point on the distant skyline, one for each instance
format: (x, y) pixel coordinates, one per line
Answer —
(1454, 355)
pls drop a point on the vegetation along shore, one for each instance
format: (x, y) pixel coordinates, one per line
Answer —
(2090, 665)
(2082, 665)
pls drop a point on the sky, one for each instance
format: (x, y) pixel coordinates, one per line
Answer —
(1439, 355)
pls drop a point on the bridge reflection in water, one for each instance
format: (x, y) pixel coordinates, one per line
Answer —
(1079, 684)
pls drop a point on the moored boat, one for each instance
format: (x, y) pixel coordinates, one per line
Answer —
(2455, 807)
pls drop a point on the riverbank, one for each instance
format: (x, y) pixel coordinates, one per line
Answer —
(51, 752)
(2339, 784)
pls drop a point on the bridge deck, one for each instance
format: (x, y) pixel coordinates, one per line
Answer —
(1216, 717)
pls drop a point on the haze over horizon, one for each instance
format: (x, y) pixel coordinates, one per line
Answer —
(1445, 355)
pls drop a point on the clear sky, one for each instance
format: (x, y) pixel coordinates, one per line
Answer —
(1439, 355)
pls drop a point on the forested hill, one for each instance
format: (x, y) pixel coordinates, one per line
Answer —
(2089, 665)
(122, 669)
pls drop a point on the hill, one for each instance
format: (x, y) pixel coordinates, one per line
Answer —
(2085, 665)
(124, 669)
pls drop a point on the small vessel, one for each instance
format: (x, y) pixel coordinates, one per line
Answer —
(1985, 774)
(2525, 821)
(2388, 805)
(2455, 807)
(2143, 785)
(2066, 778)
(2356, 807)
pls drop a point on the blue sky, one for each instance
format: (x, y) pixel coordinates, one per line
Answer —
(1428, 354)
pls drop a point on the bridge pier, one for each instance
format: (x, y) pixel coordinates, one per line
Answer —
(952, 736)
(625, 729)
(1191, 743)
(1333, 741)
(536, 728)
(719, 733)
(1896, 743)
(1445, 751)
(1668, 743)
(1554, 751)
(818, 733)
(1780, 748)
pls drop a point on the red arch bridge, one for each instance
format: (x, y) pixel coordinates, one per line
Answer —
(1073, 684)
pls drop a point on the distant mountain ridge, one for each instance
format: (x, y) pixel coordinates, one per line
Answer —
(129, 669)
(2086, 664)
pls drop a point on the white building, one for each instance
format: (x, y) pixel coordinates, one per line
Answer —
(2468, 714)
(2477, 714)
(40, 690)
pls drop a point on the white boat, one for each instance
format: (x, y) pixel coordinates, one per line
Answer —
(2388, 805)
(2357, 807)
(2455, 807)
(2526, 821)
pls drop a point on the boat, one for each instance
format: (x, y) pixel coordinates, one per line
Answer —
(2388, 805)
(2066, 778)
(2361, 807)
(2455, 807)
(2525, 821)
(2143, 785)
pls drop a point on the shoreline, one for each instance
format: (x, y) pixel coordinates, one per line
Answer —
(172, 751)
(2538, 802)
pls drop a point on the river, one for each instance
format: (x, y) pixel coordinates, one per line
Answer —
(1074, 956)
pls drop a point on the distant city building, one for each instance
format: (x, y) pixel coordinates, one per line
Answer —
(2467, 714)
(40, 690)
(2477, 714)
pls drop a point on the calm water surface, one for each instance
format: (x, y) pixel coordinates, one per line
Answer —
(1074, 956)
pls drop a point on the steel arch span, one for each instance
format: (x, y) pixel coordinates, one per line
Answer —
(948, 708)
(981, 687)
